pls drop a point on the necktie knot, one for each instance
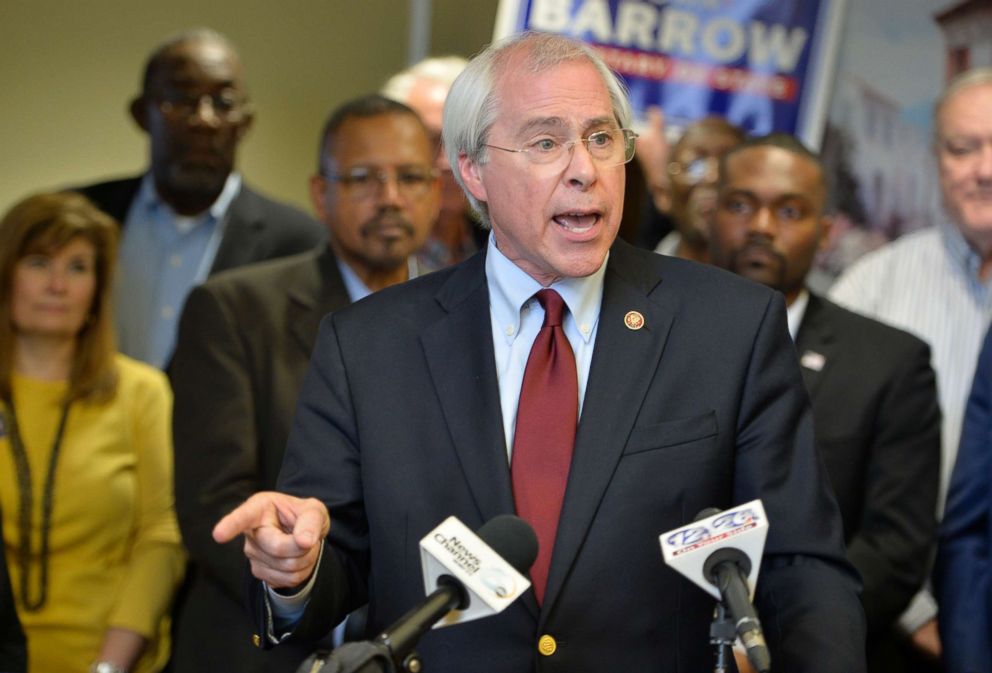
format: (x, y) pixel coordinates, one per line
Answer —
(553, 305)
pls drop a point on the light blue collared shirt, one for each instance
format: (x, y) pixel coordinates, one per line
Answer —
(162, 256)
(517, 318)
(354, 286)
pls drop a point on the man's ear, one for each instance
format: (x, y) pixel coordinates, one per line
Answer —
(139, 112)
(472, 177)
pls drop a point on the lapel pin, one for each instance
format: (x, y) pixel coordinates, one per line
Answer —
(813, 360)
(633, 320)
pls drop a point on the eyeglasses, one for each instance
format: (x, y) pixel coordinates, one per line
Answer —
(363, 182)
(691, 172)
(226, 105)
(607, 148)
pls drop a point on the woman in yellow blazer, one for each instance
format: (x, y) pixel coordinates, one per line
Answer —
(90, 534)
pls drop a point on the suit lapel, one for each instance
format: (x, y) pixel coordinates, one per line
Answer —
(623, 366)
(814, 344)
(459, 352)
(241, 232)
(317, 291)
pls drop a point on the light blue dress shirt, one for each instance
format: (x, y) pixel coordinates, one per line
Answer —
(162, 256)
(517, 318)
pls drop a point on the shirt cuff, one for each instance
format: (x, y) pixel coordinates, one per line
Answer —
(921, 609)
(285, 611)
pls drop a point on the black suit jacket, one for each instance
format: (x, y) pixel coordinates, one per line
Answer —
(13, 648)
(244, 342)
(257, 227)
(877, 426)
(398, 426)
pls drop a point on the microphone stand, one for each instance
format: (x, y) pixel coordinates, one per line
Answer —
(722, 637)
(358, 657)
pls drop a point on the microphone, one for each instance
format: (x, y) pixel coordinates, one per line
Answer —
(721, 552)
(467, 576)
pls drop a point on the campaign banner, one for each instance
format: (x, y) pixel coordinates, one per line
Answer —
(765, 66)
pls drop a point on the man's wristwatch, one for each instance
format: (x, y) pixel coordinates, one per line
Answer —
(105, 667)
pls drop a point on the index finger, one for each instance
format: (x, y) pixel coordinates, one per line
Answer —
(258, 510)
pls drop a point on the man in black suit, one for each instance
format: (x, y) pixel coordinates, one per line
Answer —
(409, 414)
(190, 215)
(872, 387)
(244, 343)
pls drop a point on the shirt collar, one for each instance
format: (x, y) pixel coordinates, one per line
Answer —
(960, 251)
(795, 312)
(149, 200)
(510, 287)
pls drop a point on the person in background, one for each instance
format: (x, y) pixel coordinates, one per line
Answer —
(424, 87)
(91, 539)
(963, 571)
(937, 284)
(190, 214)
(873, 391)
(244, 343)
(692, 174)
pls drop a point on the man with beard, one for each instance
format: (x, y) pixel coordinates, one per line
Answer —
(876, 419)
(244, 342)
(692, 174)
(189, 215)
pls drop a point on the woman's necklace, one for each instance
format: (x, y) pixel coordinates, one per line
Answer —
(26, 505)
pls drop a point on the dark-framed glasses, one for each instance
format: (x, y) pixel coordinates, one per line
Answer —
(226, 105)
(607, 148)
(363, 182)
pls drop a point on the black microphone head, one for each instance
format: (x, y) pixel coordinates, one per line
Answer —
(707, 513)
(513, 539)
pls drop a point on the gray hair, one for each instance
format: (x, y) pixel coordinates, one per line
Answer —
(472, 104)
(441, 69)
(964, 80)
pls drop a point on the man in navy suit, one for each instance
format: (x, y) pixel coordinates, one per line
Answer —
(687, 391)
(872, 388)
(963, 574)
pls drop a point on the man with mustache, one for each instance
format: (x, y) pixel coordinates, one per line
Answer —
(244, 342)
(190, 214)
(875, 413)
(692, 174)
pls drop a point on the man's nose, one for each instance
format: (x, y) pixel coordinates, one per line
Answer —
(204, 113)
(763, 223)
(581, 168)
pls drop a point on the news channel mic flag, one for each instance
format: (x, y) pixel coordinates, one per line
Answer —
(764, 66)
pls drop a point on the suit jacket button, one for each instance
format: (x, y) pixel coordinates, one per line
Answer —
(256, 640)
(546, 645)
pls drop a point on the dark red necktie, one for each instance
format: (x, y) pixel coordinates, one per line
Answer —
(547, 415)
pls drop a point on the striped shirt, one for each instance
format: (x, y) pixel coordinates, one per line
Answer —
(927, 283)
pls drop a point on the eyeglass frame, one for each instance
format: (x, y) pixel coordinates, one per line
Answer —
(181, 106)
(382, 176)
(629, 141)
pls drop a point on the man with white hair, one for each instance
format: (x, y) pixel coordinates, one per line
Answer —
(937, 283)
(588, 386)
(424, 87)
